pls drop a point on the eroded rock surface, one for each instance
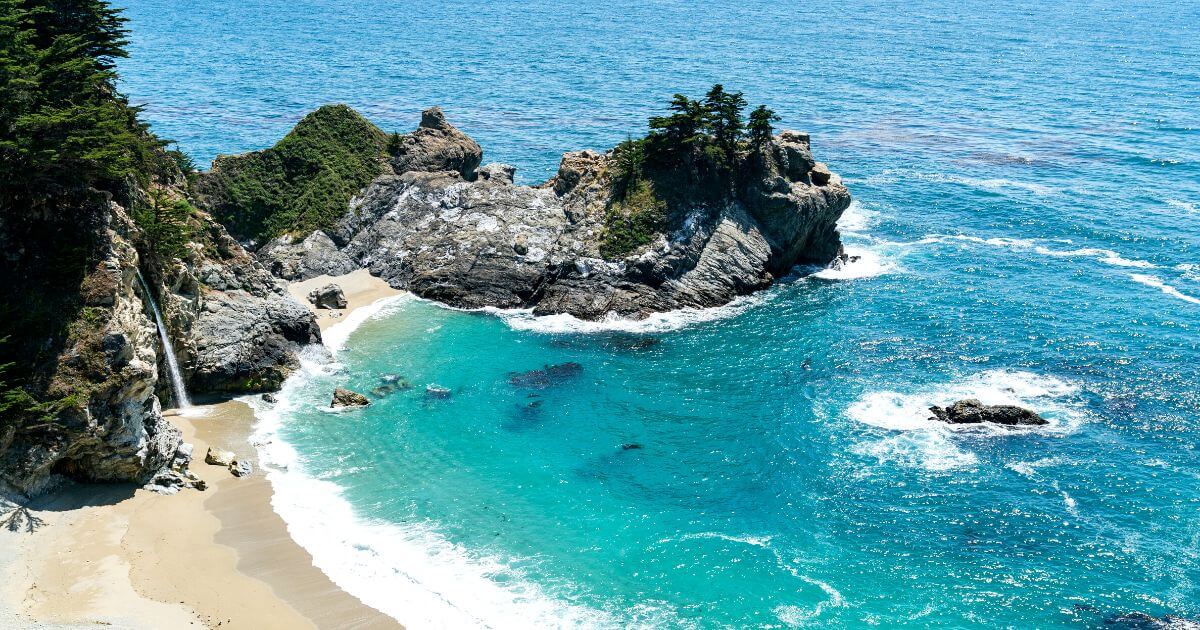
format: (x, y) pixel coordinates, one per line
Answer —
(328, 296)
(345, 398)
(448, 230)
(972, 411)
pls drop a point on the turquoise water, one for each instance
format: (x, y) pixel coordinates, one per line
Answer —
(1027, 185)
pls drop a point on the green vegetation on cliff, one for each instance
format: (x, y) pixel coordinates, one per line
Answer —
(694, 151)
(68, 142)
(301, 184)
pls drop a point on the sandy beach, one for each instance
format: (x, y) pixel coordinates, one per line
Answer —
(122, 556)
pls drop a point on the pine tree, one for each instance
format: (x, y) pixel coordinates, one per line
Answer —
(760, 125)
(65, 127)
(724, 120)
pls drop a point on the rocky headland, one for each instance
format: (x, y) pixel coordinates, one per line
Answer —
(232, 327)
(666, 222)
(588, 242)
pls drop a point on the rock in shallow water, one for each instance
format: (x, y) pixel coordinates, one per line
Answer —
(346, 398)
(972, 411)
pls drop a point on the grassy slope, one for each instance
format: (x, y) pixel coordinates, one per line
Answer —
(301, 184)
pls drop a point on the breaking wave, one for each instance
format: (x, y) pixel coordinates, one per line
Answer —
(919, 441)
(1156, 282)
(410, 571)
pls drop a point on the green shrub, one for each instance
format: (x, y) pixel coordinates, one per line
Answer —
(166, 225)
(634, 221)
(301, 184)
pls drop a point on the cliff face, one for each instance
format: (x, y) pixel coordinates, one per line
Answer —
(234, 330)
(447, 230)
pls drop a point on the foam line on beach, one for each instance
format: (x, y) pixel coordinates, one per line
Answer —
(409, 572)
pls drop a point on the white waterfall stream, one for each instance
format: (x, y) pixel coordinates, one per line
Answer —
(177, 388)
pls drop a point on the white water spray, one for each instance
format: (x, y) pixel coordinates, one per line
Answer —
(177, 388)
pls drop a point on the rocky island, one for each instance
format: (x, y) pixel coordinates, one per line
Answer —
(642, 228)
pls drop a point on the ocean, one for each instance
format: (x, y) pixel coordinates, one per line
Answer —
(1026, 179)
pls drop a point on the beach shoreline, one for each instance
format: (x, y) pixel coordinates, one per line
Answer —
(126, 557)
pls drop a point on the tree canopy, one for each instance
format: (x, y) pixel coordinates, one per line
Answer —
(63, 125)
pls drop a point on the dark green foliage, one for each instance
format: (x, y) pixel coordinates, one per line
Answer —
(673, 139)
(634, 221)
(760, 127)
(629, 163)
(68, 140)
(724, 122)
(303, 183)
(693, 155)
(63, 126)
(165, 223)
(394, 144)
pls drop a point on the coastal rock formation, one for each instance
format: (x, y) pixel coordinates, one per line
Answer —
(435, 222)
(316, 255)
(218, 457)
(328, 296)
(113, 428)
(971, 411)
(240, 330)
(346, 398)
(437, 146)
(232, 327)
(447, 230)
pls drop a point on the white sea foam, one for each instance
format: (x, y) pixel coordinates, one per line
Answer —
(745, 539)
(336, 335)
(1186, 206)
(524, 319)
(410, 571)
(857, 218)
(864, 263)
(1156, 282)
(796, 615)
(930, 444)
(1106, 256)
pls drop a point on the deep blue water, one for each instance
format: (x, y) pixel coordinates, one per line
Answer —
(1027, 185)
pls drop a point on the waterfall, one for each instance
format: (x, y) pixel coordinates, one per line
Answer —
(177, 388)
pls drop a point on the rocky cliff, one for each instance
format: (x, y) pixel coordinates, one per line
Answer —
(234, 330)
(438, 224)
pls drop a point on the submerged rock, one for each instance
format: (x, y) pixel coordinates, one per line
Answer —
(436, 391)
(1143, 621)
(548, 376)
(971, 411)
(328, 296)
(345, 398)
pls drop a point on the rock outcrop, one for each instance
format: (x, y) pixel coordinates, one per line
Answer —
(448, 230)
(437, 146)
(239, 330)
(971, 411)
(346, 398)
(328, 296)
(233, 328)
(315, 255)
(112, 428)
